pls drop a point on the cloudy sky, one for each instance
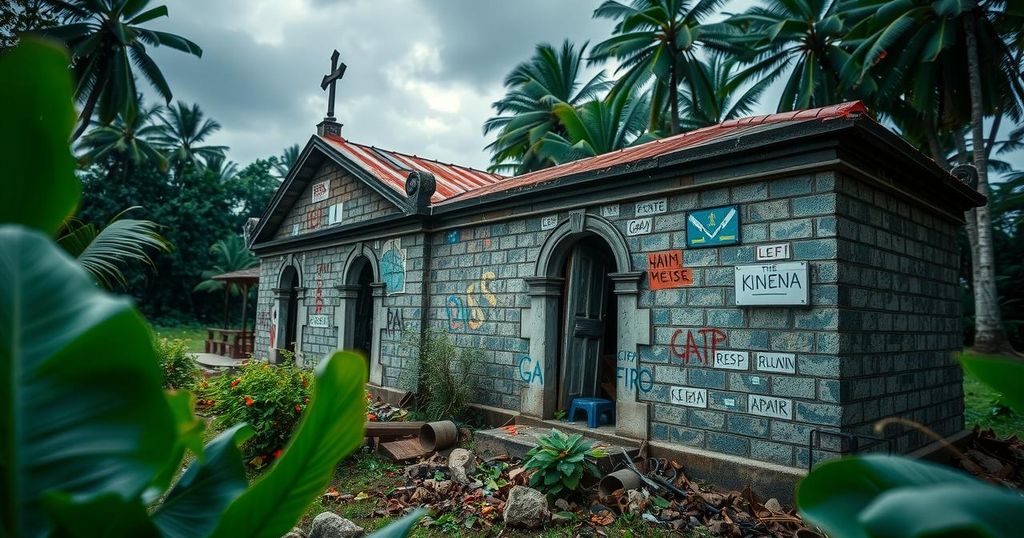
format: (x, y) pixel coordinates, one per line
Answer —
(421, 73)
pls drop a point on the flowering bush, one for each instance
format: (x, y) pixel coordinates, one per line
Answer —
(179, 366)
(271, 398)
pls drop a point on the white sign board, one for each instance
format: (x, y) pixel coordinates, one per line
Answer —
(731, 360)
(321, 191)
(778, 251)
(782, 363)
(319, 320)
(766, 406)
(651, 207)
(610, 211)
(549, 222)
(638, 226)
(773, 284)
(689, 397)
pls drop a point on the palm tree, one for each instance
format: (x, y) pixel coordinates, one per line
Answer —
(942, 47)
(804, 37)
(284, 162)
(597, 126)
(221, 167)
(183, 132)
(106, 40)
(232, 255)
(726, 102)
(661, 39)
(131, 139)
(104, 252)
(526, 112)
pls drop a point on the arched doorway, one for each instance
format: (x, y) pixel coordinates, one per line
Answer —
(584, 317)
(589, 324)
(285, 335)
(362, 331)
(360, 308)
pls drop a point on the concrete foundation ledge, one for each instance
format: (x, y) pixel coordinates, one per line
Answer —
(494, 416)
(729, 472)
(389, 395)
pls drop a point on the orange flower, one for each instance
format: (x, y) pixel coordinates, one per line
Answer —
(236, 382)
(249, 401)
(371, 417)
(298, 408)
(277, 453)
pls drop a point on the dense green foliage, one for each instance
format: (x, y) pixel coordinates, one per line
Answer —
(869, 496)
(443, 374)
(271, 399)
(179, 365)
(560, 462)
(92, 443)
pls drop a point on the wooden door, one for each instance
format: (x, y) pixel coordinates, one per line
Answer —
(363, 330)
(584, 325)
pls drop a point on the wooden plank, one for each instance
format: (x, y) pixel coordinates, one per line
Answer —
(403, 450)
(393, 429)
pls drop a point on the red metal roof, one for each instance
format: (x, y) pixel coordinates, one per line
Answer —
(664, 146)
(461, 183)
(392, 168)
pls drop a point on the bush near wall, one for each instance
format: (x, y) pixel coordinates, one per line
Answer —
(179, 365)
(271, 398)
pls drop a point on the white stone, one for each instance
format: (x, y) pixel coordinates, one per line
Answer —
(526, 508)
(331, 525)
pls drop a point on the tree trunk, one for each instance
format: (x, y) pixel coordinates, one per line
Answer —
(988, 327)
(673, 105)
(83, 120)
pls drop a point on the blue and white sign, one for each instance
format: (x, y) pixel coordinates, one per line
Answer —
(713, 227)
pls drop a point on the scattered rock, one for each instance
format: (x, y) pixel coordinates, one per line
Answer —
(636, 500)
(526, 508)
(296, 533)
(561, 504)
(774, 506)
(461, 463)
(442, 487)
(331, 525)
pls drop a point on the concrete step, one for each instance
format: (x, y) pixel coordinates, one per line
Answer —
(501, 442)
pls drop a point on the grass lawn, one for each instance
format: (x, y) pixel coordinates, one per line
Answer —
(980, 410)
(194, 336)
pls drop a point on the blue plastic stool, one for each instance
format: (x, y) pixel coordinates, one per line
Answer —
(594, 408)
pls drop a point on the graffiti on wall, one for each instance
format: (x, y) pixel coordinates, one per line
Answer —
(469, 311)
(531, 371)
(273, 326)
(395, 324)
(689, 351)
(631, 375)
(314, 218)
(392, 267)
(318, 290)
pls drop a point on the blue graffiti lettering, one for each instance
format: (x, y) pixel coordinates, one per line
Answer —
(534, 375)
(635, 378)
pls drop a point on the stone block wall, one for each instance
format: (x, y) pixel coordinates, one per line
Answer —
(875, 340)
(359, 202)
(900, 324)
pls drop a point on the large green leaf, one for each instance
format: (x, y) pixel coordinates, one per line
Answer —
(40, 188)
(1003, 374)
(194, 505)
(859, 497)
(105, 516)
(82, 409)
(401, 527)
(331, 428)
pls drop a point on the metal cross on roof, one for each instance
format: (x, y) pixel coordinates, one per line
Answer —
(337, 71)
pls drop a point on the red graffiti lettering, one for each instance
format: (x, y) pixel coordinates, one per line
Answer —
(691, 353)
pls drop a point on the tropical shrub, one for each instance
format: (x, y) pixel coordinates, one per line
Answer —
(179, 365)
(866, 496)
(560, 461)
(443, 377)
(269, 398)
(92, 443)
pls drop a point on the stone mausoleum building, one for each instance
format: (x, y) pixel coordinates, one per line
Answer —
(733, 290)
